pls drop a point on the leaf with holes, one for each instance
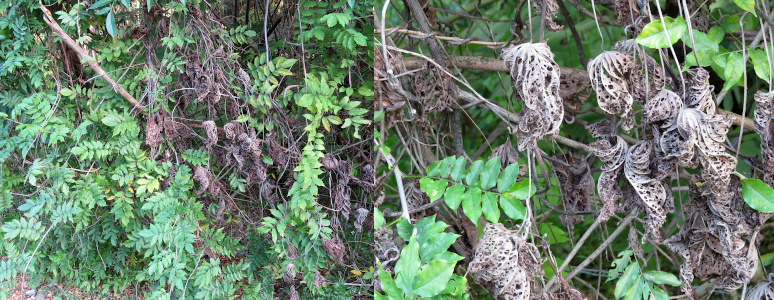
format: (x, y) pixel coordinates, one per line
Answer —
(654, 35)
(758, 195)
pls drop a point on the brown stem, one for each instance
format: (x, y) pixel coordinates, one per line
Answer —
(49, 19)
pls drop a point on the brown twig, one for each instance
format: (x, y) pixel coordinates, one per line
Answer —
(49, 19)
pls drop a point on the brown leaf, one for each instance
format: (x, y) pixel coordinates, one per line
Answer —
(610, 73)
(334, 248)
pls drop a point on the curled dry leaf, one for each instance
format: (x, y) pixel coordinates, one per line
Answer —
(610, 73)
(388, 91)
(647, 77)
(506, 153)
(567, 292)
(577, 186)
(505, 263)
(763, 291)
(708, 133)
(335, 248)
(764, 126)
(361, 214)
(656, 195)
(290, 273)
(212, 133)
(341, 197)
(386, 250)
(700, 92)
(536, 76)
(551, 10)
(319, 280)
(203, 176)
(612, 151)
(627, 11)
(292, 251)
(293, 294)
(719, 245)
(153, 130)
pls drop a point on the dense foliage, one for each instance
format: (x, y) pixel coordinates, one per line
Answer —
(628, 148)
(238, 163)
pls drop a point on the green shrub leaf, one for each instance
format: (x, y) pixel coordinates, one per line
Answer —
(489, 207)
(660, 277)
(453, 196)
(471, 204)
(654, 35)
(490, 173)
(758, 195)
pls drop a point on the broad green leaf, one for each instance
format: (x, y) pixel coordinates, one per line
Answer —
(433, 169)
(734, 68)
(433, 188)
(629, 277)
(407, 266)
(111, 24)
(432, 279)
(507, 178)
(453, 196)
(659, 294)
(654, 35)
(705, 59)
(471, 204)
(513, 208)
(659, 277)
(435, 245)
(66, 92)
(701, 41)
(405, 229)
(458, 169)
(472, 178)
(716, 34)
(388, 285)
(758, 195)
(555, 234)
(760, 63)
(522, 190)
(489, 207)
(446, 166)
(378, 219)
(490, 173)
(619, 264)
(748, 5)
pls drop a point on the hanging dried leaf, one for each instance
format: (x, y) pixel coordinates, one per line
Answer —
(388, 90)
(341, 194)
(361, 214)
(763, 291)
(293, 294)
(505, 263)
(708, 133)
(292, 251)
(551, 10)
(627, 11)
(764, 126)
(153, 130)
(536, 77)
(656, 195)
(610, 73)
(506, 153)
(319, 280)
(663, 108)
(613, 156)
(700, 92)
(212, 133)
(290, 273)
(577, 186)
(335, 248)
(203, 176)
(386, 250)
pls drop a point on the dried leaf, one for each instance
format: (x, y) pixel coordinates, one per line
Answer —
(610, 73)
(536, 77)
(656, 195)
(764, 126)
(212, 133)
(361, 214)
(335, 248)
(505, 263)
(551, 10)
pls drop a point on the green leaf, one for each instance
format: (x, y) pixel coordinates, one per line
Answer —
(760, 63)
(446, 166)
(111, 120)
(619, 265)
(407, 266)
(555, 234)
(701, 41)
(434, 168)
(716, 34)
(388, 285)
(748, 5)
(659, 277)
(758, 195)
(522, 190)
(513, 208)
(111, 24)
(458, 169)
(734, 68)
(405, 229)
(453, 196)
(507, 178)
(436, 245)
(378, 219)
(66, 92)
(629, 277)
(705, 59)
(432, 279)
(471, 204)
(434, 189)
(489, 207)
(659, 294)
(490, 173)
(654, 35)
(472, 178)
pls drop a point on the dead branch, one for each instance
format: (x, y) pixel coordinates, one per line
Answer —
(49, 19)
